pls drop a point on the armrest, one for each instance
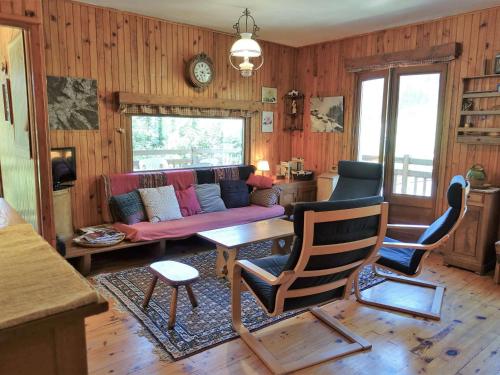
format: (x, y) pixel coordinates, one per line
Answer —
(416, 246)
(407, 226)
(262, 273)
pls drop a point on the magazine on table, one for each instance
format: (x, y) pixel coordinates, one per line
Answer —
(100, 234)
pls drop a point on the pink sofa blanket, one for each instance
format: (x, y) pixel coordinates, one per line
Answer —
(190, 225)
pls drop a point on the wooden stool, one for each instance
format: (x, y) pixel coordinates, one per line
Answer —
(173, 274)
(497, 266)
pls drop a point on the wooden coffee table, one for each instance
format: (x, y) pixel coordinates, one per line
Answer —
(230, 239)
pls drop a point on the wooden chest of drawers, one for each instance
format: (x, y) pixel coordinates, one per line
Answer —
(473, 244)
(295, 191)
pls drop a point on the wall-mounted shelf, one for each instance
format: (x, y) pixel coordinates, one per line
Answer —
(468, 130)
(478, 139)
(481, 94)
(481, 112)
(478, 136)
(483, 76)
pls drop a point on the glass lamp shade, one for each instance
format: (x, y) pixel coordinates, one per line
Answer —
(263, 165)
(246, 47)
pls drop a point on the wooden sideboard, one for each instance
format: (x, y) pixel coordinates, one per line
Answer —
(296, 191)
(473, 244)
(43, 304)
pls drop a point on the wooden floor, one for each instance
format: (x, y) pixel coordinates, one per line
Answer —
(465, 341)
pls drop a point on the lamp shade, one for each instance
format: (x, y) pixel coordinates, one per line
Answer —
(263, 165)
(246, 47)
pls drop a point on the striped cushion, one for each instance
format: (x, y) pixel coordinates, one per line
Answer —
(127, 208)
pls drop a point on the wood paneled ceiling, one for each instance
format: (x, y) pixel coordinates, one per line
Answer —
(297, 22)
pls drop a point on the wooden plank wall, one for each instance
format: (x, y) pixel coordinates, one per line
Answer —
(128, 52)
(20, 7)
(18, 170)
(320, 72)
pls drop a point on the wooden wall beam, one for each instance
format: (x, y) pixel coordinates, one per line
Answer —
(423, 55)
(128, 98)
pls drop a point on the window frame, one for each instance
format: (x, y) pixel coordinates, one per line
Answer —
(246, 142)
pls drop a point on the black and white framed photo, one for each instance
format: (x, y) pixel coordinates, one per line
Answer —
(72, 103)
(327, 114)
(267, 121)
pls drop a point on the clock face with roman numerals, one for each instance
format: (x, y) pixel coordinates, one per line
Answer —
(200, 70)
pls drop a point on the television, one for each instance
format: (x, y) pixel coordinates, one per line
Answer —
(63, 167)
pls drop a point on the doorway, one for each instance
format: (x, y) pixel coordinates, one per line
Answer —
(24, 135)
(16, 156)
(399, 113)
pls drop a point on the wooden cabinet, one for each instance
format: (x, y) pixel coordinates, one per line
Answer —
(473, 244)
(296, 191)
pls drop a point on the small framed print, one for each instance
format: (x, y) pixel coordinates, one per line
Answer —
(498, 87)
(6, 103)
(267, 121)
(269, 94)
(497, 64)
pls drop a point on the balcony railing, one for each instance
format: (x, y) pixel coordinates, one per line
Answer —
(412, 176)
(182, 158)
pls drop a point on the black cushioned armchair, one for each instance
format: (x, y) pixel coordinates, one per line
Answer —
(406, 259)
(333, 240)
(357, 180)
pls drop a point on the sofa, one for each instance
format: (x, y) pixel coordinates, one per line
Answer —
(118, 184)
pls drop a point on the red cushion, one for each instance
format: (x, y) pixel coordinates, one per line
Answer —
(188, 202)
(260, 182)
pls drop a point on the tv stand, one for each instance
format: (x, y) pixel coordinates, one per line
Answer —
(63, 216)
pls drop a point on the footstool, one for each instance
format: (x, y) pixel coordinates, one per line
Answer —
(173, 274)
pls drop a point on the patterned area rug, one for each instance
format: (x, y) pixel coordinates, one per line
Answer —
(195, 329)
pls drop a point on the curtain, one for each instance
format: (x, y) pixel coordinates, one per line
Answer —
(166, 110)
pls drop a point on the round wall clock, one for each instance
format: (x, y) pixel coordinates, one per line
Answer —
(200, 70)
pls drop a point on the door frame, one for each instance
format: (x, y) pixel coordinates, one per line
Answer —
(409, 200)
(32, 27)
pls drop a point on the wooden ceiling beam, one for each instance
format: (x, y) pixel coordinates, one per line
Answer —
(425, 55)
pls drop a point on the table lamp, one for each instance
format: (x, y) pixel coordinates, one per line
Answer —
(263, 166)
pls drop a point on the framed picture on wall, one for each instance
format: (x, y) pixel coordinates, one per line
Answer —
(327, 114)
(497, 64)
(267, 121)
(269, 94)
(6, 103)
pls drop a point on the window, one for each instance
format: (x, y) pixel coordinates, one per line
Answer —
(169, 142)
(417, 118)
(370, 119)
(399, 113)
(409, 111)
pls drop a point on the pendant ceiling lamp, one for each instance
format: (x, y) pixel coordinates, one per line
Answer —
(246, 48)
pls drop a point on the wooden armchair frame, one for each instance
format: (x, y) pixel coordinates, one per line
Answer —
(437, 300)
(287, 278)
